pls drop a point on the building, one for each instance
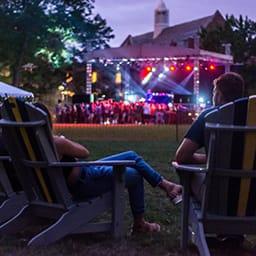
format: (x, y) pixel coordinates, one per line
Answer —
(183, 35)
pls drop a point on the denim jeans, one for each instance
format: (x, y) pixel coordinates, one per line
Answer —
(96, 180)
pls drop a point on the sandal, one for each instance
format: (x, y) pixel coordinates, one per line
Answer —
(176, 200)
(173, 191)
(175, 194)
(146, 227)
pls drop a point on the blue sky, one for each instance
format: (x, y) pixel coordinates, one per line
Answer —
(137, 16)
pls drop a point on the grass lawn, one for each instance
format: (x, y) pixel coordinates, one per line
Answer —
(157, 144)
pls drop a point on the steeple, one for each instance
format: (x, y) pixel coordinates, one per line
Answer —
(161, 18)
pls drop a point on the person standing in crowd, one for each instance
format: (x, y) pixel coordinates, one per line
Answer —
(58, 111)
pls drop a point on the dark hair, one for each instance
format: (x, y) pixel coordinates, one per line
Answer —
(45, 109)
(231, 85)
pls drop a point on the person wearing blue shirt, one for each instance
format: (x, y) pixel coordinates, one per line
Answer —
(227, 87)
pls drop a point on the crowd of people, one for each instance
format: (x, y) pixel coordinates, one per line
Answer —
(112, 112)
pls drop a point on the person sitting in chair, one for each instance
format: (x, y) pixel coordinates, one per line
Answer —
(227, 87)
(91, 181)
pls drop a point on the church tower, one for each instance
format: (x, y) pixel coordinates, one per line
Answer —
(161, 18)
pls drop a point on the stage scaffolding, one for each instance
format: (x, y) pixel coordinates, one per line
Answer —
(157, 53)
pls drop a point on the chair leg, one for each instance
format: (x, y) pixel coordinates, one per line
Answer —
(53, 233)
(200, 240)
(18, 222)
(118, 203)
(71, 221)
(12, 206)
(185, 215)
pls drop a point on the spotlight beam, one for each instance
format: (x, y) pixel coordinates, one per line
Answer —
(186, 80)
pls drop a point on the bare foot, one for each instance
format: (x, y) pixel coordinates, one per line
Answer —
(146, 227)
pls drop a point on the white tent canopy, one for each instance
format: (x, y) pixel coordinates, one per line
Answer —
(9, 90)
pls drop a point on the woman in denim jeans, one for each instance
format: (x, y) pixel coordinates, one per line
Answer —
(90, 181)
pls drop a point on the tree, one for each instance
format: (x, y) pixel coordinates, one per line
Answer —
(241, 33)
(50, 34)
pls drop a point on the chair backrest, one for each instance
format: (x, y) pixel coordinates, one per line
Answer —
(35, 143)
(231, 155)
(9, 184)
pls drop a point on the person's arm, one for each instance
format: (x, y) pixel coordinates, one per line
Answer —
(193, 140)
(186, 153)
(70, 148)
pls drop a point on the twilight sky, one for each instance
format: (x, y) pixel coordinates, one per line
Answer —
(137, 16)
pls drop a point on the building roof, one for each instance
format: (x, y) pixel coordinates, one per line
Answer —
(155, 51)
(161, 6)
(176, 33)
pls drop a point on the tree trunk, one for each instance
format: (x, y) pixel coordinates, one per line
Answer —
(16, 76)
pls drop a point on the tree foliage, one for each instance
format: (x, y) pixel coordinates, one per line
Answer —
(241, 34)
(50, 35)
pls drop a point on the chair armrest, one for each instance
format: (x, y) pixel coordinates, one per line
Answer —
(7, 123)
(89, 163)
(5, 158)
(43, 164)
(190, 168)
(230, 128)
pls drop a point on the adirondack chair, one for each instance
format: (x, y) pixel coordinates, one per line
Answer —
(12, 199)
(228, 203)
(30, 144)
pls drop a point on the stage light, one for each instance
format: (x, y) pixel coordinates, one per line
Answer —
(131, 98)
(69, 78)
(212, 67)
(201, 100)
(161, 76)
(118, 78)
(94, 77)
(145, 72)
(166, 69)
(153, 69)
(188, 67)
(61, 88)
(148, 69)
(147, 78)
(172, 68)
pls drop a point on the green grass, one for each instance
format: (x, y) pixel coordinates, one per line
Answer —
(157, 144)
